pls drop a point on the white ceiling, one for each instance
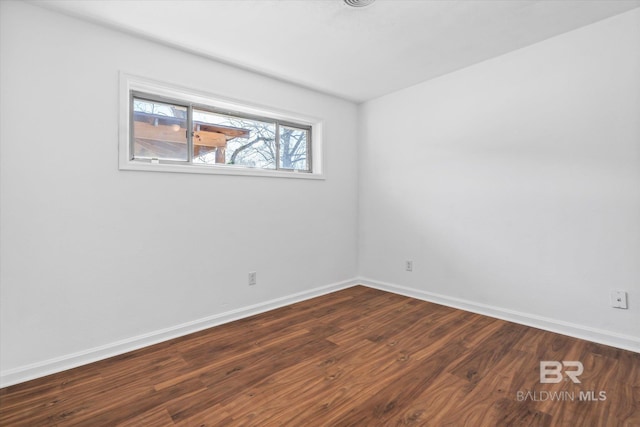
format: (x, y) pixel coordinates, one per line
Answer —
(354, 53)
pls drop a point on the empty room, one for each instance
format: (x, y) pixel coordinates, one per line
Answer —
(320, 213)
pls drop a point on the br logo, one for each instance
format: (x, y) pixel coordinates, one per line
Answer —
(551, 371)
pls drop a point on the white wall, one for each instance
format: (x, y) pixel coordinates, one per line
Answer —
(92, 255)
(514, 184)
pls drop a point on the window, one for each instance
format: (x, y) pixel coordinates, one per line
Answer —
(177, 131)
(159, 130)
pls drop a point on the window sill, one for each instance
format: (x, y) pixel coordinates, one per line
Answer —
(132, 165)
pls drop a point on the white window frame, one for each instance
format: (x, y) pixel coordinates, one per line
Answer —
(130, 83)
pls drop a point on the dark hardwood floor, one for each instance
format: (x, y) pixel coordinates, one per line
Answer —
(358, 357)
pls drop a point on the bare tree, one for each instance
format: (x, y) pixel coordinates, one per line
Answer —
(259, 149)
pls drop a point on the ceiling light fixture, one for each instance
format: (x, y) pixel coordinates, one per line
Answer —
(358, 3)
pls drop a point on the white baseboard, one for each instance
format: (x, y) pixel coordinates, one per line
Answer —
(69, 361)
(601, 336)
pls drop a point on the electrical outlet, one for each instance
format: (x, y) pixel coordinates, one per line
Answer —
(408, 265)
(618, 299)
(252, 278)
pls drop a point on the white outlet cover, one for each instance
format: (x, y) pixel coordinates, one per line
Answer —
(619, 299)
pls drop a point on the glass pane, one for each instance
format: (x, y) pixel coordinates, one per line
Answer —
(159, 130)
(229, 140)
(293, 148)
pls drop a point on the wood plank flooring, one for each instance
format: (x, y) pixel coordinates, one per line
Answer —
(358, 357)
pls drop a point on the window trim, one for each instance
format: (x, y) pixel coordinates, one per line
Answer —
(201, 100)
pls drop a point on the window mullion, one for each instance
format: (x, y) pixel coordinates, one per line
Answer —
(190, 147)
(277, 141)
